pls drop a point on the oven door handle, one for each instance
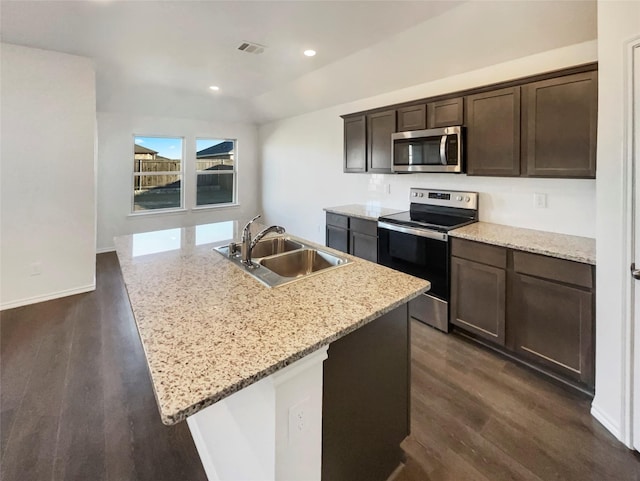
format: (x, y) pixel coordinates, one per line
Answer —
(430, 234)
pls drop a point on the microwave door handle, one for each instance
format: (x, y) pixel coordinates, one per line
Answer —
(443, 150)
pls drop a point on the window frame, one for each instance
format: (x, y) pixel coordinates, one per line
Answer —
(234, 201)
(180, 174)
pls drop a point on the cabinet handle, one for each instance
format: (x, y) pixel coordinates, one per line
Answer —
(635, 273)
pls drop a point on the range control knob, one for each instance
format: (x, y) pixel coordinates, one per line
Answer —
(467, 199)
(458, 197)
(415, 194)
(420, 194)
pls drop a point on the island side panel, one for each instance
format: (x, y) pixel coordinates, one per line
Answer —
(366, 395)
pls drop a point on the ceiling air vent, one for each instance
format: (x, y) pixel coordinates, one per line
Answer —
(250, 47)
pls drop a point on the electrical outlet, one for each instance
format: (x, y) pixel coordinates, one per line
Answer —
(540, 200)
(35, 268)
(298, 425)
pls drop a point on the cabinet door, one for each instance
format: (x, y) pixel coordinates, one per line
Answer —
(559, 131)
(380, 126)
(355, 144)
(364, 246)
(552, 324)
(493, 133)
(445, 113)
(412, 118)
(338, 238)
(478, 299)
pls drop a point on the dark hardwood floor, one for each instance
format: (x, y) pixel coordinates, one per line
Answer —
(76, 398)
(478, 416)
(77, 404)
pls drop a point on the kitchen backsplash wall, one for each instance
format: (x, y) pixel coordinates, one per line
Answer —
(301, 160)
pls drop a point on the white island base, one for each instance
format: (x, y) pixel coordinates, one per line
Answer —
(270, 430)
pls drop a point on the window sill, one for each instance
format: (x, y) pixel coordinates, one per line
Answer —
(214, 207)
(144, 213)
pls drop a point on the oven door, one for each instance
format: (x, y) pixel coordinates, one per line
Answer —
(418, 252)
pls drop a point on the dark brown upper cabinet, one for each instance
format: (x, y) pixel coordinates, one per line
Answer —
(412, 118)
(559, 126)
(380, 126)
(493, 133)
(544, 125)
(355, 144)
(445, 113)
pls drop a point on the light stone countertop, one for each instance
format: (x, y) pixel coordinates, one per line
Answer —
(208, 329)
(362, 211)
(569, 247)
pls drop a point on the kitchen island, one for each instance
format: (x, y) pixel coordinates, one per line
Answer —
(243, 363)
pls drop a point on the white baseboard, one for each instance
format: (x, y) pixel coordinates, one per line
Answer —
(606, 421)
(102, 250)
(47, 297)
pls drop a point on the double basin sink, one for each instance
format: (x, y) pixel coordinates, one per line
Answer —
(281, 260)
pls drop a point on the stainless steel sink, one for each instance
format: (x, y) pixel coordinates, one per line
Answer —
(281, 260)
(274, 245)
(301, 262)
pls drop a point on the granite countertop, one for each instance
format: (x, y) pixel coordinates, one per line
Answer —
(208, 329)
(569, 247)
(362, 211)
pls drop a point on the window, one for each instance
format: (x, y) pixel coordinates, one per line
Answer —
(157, 173)
(215, 172)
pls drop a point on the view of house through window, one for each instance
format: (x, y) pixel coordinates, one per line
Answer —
(157, 173)
(215, 171)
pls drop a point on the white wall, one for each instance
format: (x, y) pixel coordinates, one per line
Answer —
(115, 169)
(469, 36)
(48, 220)
(302, 164)
(618, 22)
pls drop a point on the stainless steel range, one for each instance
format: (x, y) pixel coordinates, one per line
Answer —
(417, 242)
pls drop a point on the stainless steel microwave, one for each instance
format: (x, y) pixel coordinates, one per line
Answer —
(431, 150)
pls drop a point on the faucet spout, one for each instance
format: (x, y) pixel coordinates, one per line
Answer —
(274, 228)
(248, 244)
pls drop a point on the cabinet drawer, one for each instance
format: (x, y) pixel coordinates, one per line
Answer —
(368, 227)
(552, 268)
(479, 252)
(338, 220)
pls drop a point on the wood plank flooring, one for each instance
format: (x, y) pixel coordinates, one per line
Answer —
(77, 404)
(478, 416)
(76, 398)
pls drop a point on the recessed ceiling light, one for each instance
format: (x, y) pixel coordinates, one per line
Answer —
(309, 53)
(214, 87)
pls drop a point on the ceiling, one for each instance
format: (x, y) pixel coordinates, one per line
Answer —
(190, 45)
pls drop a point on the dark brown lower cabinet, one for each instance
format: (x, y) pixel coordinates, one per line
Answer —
(358, 237)
(337, 232)
(536, 308)
(552, 325)
(364, 239)
(365, 403)
(478, 299)
(338, 238)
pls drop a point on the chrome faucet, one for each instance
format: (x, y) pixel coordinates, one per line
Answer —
(248, 244)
